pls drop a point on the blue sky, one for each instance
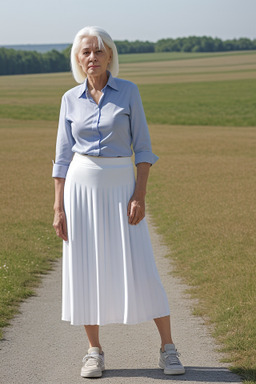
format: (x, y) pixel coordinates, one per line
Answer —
(57, 21)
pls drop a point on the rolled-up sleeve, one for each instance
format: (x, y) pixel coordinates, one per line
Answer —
(64, 144)
(139, 129)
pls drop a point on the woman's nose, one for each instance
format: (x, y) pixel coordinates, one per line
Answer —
(92, 56)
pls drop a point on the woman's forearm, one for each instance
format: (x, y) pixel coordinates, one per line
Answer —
(136, 205)
(59, 194)
(142, 178)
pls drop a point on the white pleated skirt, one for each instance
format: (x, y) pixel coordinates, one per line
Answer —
(109, 272)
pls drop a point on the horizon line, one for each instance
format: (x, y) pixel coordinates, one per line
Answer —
(143, 40)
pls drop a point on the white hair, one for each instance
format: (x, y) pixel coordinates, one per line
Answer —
(103, 38)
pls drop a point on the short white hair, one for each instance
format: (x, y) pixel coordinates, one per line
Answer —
(103, 38)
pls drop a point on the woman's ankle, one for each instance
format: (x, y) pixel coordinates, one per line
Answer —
(97, 346)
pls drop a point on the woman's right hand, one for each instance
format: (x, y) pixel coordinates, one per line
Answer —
(60, 224)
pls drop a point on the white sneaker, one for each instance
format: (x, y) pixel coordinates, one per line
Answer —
(169, 361)
(93, 363)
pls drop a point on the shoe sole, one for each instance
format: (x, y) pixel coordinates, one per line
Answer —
(92, 373)
(173, 371)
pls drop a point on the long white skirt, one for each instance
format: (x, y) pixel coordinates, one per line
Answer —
(109, 271)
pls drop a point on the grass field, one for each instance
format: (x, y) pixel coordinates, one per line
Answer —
(166, 56)
(202, 196)
(201, 192)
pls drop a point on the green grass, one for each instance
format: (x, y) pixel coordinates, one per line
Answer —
(30, 112)
(220, 103)
(23, 263)
(201, 192)
(28, 243)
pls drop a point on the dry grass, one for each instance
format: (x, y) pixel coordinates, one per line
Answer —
(173, 56)
(28, 243)
(202, 197)
(25, 161)
(191, 70)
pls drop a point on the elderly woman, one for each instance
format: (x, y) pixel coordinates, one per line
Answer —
(109, 272)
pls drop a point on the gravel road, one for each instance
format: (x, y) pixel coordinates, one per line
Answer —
(40, 348)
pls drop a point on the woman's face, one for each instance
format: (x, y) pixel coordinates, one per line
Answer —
(93, 60)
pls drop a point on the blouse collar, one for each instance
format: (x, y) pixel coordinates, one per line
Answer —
(110, 83)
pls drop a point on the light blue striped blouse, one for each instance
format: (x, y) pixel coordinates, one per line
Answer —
(107, 129)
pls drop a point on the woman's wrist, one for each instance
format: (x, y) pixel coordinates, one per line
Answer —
(58, 208)
(139, 193)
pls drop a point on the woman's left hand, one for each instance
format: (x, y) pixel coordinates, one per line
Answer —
(136, 209)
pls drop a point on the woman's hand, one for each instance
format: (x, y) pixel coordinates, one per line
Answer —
(60, 224)
(136, 209)
(59, 221)
(136, 205)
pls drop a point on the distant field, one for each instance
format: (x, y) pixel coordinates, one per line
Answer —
(201, 192)
(164, 56)
(204, 86)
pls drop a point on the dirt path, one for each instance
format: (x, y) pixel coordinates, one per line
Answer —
(40, 348)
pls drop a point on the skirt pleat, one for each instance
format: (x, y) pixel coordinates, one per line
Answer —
(109, 272)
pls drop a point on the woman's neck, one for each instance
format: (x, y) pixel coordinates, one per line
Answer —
(97, 83)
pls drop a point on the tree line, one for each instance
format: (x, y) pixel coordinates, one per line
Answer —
(186, 44)
(14, 62)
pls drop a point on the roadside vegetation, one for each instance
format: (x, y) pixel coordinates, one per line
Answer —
(201, 192)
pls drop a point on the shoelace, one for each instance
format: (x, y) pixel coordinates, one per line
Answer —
(172, 358)
(87, 358)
